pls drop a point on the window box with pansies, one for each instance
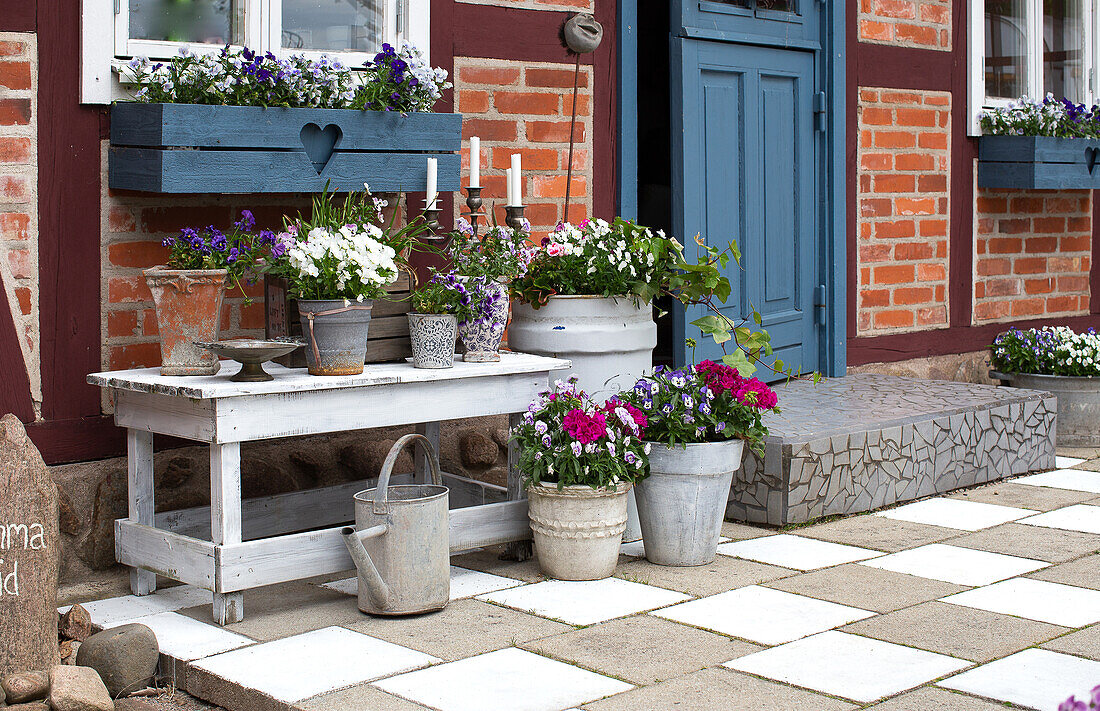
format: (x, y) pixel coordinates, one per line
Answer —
(1049, 144)
(242, 122)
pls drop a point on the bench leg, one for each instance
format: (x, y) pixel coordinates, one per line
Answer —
(139, 473)
(518, 550)
(431, 431)
(225, 519)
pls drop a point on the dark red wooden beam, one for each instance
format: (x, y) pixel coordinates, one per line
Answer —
(18, 16)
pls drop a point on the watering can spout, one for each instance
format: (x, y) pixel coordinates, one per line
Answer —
(377, 589)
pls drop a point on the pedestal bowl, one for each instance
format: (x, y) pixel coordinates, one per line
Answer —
(251, 354)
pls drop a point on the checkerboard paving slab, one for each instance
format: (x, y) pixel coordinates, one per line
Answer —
(796, 552)
(1079, 517)
(464, 583)
(952, 564)
(1067, 462)
(119, 610)
(584, 602)
(763, 615)
(1036, 600)
(848, 665)
(1075, 479)
(953, 513)
(305, 665)
(187, 639)
(1033, 678)
(511, 679)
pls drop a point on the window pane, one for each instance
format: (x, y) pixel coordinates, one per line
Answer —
(777, 5)
(1063, 39)
(1005, 49)
(209, 21)
(333, 25)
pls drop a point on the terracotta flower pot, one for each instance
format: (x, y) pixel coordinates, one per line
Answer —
(189, 304)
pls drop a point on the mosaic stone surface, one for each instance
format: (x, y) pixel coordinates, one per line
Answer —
(861, 442)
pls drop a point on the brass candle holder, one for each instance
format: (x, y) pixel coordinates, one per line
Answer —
(474, 204)
(514, 217)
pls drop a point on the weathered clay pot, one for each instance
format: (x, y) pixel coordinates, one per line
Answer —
(189, 304)
(336, 342)
(482, 337)
(577, 529)
(433, 339)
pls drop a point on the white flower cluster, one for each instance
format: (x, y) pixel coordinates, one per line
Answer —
(1079, 349)
(351, 257)
(1042, 117)
(598, 242)
(431, 80)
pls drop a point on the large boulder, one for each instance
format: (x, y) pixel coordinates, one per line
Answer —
(31, 706)
(126, 657)
(78, 689)
(22, 687)
(29, 554)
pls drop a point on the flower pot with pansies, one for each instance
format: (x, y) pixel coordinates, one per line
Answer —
(580, 459)
(188, 290)
(433, 323)
(698, 420)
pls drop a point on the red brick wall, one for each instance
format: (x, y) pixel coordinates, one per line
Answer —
(524, 107)
(906, 23)
(1033, 254)
(903, 194)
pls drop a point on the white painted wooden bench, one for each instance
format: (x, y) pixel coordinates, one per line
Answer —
(211, 409)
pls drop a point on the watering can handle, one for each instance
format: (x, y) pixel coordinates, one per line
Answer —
(391, 459)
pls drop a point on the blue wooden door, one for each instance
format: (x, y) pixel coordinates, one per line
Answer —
(743, 168)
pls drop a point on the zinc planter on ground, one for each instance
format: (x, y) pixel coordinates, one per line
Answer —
(188, 304)
(433, 339)
(577, 530)
(1078, 423)
(682, 502)
(335, 332)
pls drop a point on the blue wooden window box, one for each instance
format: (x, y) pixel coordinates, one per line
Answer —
(192, 148)
(1038, 162)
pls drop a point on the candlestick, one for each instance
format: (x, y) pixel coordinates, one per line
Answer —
(474, 203)
(431, 220)
(432, 182)
(514, 217)
(475, 162)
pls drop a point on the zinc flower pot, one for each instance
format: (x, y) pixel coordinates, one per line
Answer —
(577, 529)
(335, 332)
(1078, 423)
(433, 339)
(482, 336)
(188, 304)
(682, 502)
(609, 339)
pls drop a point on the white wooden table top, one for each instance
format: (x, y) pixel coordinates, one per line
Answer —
(289, 380)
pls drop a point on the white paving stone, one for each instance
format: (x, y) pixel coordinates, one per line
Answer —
(1040, 600)
(188, 639)
(956, 513)
(847, 665)
(118, 610)
(1075, 479)
(585, 602)
(1033, 678)
(511, 679)
(1066, 462)
(796, 552)
(295, 668)
(763, 615)
(953, 564)
(464, 583)
(1078, 517)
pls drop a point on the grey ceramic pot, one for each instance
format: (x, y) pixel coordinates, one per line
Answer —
(336, 341)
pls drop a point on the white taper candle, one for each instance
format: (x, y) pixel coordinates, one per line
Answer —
(432, 181)
(475, 162)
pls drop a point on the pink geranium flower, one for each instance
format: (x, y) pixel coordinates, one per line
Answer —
(585, 427)
(755, 393)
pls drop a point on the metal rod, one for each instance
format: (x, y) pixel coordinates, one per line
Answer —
(572, 125)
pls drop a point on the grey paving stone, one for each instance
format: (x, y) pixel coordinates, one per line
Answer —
(642, 649)
(1083, 572)
(1083, 643)
(1038, 498)
(957, 631)
(866, 588)
(488, 561)
(358, 698)
(279, 611)
(928, 698)
(725, 573)
(462, 629)
(1037, 542)
(741, 531)
(877, 532)
(718, 690)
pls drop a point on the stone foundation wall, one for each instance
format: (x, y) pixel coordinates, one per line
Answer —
(93, 494)
(970, 367)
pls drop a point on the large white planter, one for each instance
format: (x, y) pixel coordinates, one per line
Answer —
(577, 529)
(682, 502)
(609, 339)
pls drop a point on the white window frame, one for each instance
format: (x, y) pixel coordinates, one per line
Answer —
(106, 45)
(977, 99)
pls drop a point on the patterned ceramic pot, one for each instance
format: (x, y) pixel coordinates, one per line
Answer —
(335, 332)
(433, 339)
(482, 336)
(577, 529)
(189, 304)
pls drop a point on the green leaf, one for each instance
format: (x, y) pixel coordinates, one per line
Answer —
(738, 359)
